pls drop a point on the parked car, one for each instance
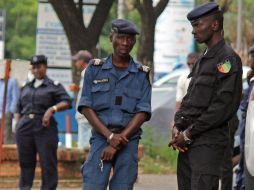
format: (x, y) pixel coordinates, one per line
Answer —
(249, 145)
(163, 103)
(158, 75)
(163, 109)
(170, 79)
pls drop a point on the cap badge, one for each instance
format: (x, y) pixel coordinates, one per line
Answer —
(35, 59)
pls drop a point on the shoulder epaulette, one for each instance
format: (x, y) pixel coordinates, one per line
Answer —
(24, 84)
(97, 62)
(56, 83)
(144, 68)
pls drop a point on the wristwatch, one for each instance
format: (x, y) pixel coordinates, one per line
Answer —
(187, 140)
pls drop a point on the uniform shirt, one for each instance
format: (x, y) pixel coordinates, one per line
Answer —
(80, 117)
(116, 100)
(213, 96)
(12, 95)
(182, 86)
(38, 100)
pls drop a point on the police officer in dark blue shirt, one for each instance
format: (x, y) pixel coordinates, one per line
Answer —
(36, 130)
(201, 131)
(116, 100)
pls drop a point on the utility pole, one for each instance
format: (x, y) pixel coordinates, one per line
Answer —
(239, 25)
(121, 9)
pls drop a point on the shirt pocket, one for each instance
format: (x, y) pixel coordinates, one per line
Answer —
(130, 99)
(203, 91)
(101, 96)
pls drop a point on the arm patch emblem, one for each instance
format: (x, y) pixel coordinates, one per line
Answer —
(225, 66)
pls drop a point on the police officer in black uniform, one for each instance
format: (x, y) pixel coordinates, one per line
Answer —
(36, 130)
(201, 131)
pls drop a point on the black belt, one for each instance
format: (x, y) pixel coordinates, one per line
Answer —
(33, 115)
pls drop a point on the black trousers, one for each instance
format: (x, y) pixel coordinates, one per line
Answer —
(199, 167)
(33, 138)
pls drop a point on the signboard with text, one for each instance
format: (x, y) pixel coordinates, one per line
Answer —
(173, 37)
(51, 39)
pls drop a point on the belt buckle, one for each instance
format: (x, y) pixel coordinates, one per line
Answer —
(31, 115)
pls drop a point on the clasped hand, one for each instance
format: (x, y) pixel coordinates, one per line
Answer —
(115, 144)
(118, 141)
(177, 141)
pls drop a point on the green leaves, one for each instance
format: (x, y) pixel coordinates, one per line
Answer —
(20, 28)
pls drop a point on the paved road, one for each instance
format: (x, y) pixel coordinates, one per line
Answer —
(156, 182)
(145, 182)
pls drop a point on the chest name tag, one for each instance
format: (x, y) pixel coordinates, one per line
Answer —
(100, 81)
(224, 67)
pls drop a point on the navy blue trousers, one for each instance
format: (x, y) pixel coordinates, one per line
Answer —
(124, 165)
(33, 138)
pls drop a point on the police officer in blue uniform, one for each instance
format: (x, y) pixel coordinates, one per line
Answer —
(36, 129)
(116, 101)
(201, 131)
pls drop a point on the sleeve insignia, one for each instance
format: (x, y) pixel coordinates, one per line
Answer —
(225, 66)
(24, 84)
(97, 62)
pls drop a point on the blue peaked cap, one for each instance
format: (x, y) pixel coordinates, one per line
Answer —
(202, 10)
(124, 27)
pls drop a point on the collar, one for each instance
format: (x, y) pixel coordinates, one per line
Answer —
(210, 53)
(45, 82)
(133, 67)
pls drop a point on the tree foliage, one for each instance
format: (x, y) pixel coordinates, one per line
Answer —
(20, 29)
(149, 15)
(22, 14)
(230, 8)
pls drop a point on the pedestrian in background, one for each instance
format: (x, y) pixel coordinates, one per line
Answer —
(183, 81)
(36, 129)
(201, 131)
(116, 100)
(11, 103)
(239, 180)
(84, 128)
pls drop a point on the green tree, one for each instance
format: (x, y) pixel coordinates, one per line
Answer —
(80, 36)
(20, 29)
(229, 7)
(149, 15)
